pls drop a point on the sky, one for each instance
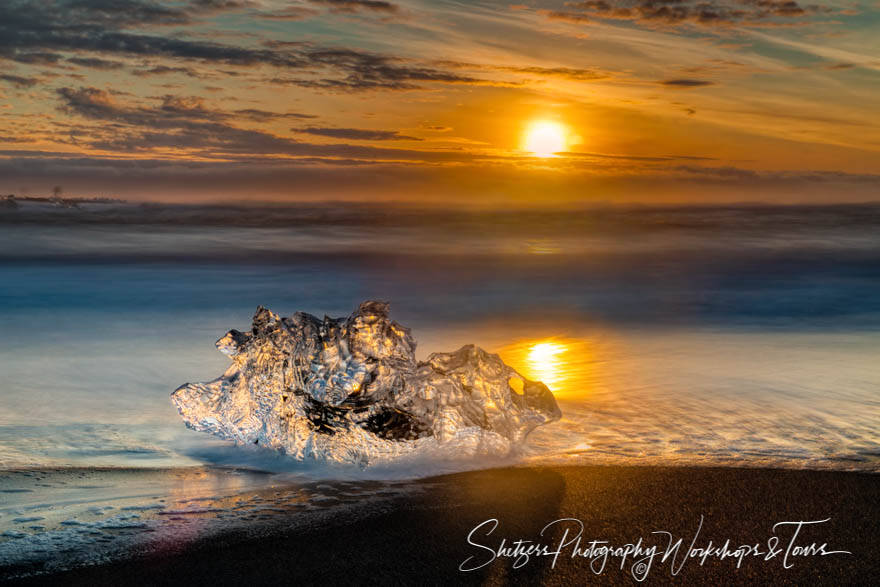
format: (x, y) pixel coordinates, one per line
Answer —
(436, 102)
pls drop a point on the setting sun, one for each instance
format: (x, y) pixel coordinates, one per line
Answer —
(544, 138)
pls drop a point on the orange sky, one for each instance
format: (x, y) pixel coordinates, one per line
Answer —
(657, 100)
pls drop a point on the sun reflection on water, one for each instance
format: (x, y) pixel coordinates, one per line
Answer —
(563, 365)
(545, 362)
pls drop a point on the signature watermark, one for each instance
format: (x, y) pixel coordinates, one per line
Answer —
(785, 546)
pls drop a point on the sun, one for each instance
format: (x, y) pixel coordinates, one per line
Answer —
(544, 138)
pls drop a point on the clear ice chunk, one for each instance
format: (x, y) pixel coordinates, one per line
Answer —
(350, 390)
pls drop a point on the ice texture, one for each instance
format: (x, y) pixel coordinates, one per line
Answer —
(350, 390)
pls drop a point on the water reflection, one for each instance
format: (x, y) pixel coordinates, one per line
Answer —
(544, 360)
(566, 366)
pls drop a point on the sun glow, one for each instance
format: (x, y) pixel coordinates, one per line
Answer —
(568, 366)
(544, 138)
(544, 361)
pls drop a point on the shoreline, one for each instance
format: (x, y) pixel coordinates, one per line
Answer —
(421, 536)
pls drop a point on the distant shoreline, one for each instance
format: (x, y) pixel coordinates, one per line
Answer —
(58, 201)
(437, 209)
(547, 220)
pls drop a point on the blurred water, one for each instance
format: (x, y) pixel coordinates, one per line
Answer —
(685, 335)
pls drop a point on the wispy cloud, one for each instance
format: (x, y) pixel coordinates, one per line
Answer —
(686, 83)
(696, 13)
(187, 123)
(95, 63)
(358, 134)
(359, 5)
(19, 81)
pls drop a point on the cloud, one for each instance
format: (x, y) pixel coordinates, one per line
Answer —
(266, 116)
(36, 58)
(18, 33)
(289, 13)
(222, 5)
(356, 134)
(97, 13)
(148, 71)
(300, 12)
(185, 123)
(6, 139)
(696, 13)
(29, 30)
(565, 16)
(95, 63)
(19, 81)
(358, 5)
(738, 174)
(841, 65)
(644, 159)
(686, 83)
(370, 71)
(103, 105)
(570, 73)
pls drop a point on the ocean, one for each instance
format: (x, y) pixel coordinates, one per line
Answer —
(740, 335)
(690, 334)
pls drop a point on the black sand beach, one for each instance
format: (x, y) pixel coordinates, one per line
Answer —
(423, 538)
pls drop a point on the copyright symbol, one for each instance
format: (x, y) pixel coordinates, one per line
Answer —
(640, 569)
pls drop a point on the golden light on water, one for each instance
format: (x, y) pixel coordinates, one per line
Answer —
(545, 362)
(544, 138)
(566, 366)
(544, 246)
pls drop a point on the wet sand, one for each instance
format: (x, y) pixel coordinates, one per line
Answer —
(421, 537)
